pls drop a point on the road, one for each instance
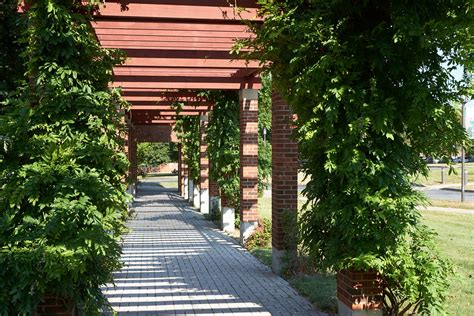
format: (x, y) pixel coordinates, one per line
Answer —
(436, 193)
(447, 195)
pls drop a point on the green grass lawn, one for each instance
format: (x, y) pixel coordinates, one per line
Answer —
(165, 180)
(468, 205)
(455, 240)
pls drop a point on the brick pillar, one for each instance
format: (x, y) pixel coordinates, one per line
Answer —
(180, 172)
(359, 293)
(204, 166)
(284, 185)
(248, 162)
(54, 305)
(213, 187)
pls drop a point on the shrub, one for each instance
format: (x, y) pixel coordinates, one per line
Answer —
(371, 85)
(261, 236)
(62, 166)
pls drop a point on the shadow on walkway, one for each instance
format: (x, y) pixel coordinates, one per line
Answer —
(178, 263)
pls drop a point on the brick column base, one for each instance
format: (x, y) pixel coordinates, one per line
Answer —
(359, 293)
(54, 305)
(227, 216)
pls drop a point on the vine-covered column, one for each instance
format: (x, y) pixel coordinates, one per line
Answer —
(185, 192)
(131, 151)
(214, 198)
(204, 167)
(284, 184)
(132, 157)
(180, 171)
(248, 162)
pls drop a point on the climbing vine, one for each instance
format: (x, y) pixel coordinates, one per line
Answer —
(370, 82)
(187, 131)
(62, 198)
(265, 132)
(11, 64)
(223, 138)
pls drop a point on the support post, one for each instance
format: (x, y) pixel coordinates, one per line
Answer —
(190, 191)
(204, 166)
(248, 162)
(284, 186)
(214, 198)
(180, 172)
(185, 180)
(132, 157)
(196, 196)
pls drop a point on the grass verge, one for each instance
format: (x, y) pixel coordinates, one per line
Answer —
(467, 205)
(455, 240)
(319, 289)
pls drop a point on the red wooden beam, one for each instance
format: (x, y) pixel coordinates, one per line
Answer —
(243, 3)
(151, 122)
(144, 26)
(167, 45)
(158, 32)
(175, 11)
(168, 108)
(191, 63)
(191, 85)
(155, 113)
(165, 95)
(145, 80)
(191, 72)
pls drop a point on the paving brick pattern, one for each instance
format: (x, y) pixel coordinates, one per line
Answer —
(178, 263)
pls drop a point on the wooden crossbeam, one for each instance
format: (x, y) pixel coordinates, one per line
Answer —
(160, 10)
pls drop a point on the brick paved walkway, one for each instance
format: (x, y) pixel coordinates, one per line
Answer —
(178, 263)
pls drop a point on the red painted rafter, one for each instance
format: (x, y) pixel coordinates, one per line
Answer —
(169, 108)
(158, 10)
(176, 45)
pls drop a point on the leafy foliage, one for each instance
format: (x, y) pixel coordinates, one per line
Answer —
(223, 138)
(11, 66)
(187, 131)
(155, 154)
(264, 126)
(370, 82)
(62, 198)
(262, 235)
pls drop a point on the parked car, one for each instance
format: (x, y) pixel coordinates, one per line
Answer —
(456, 159)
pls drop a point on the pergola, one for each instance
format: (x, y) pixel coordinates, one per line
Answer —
(176, 47)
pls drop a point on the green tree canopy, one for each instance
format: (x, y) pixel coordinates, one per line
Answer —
(155, 154)
(370, 82)
(62, 167)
